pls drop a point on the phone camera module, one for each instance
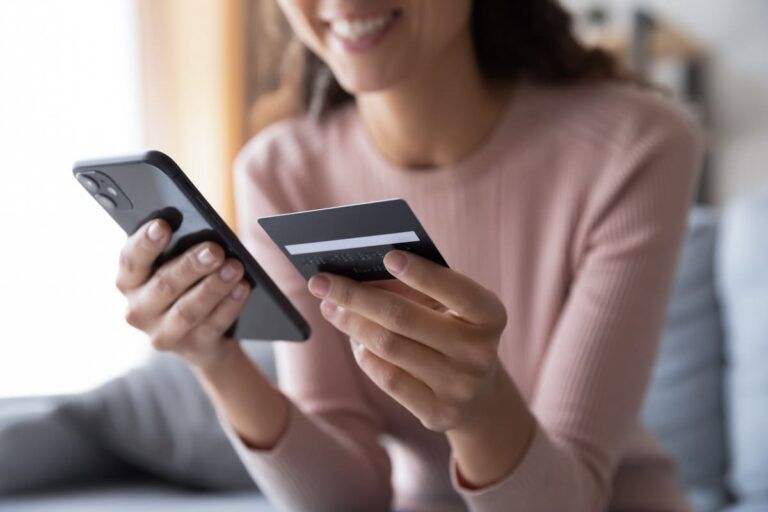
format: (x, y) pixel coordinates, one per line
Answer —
(105, 201)
(104, 189)
(89, 183)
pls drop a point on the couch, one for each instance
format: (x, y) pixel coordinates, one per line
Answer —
(148, 440)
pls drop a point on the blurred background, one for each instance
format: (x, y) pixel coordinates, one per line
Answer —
(196, 79)
(88, 78)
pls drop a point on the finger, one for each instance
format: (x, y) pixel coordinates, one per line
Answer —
(138, 253)
(395, 286)
(470, 300)
(422, 362)
(224, 314)
(195, 305)
(174, 278)
(399, 384)
(394, 312)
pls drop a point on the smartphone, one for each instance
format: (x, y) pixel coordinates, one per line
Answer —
(137, 188)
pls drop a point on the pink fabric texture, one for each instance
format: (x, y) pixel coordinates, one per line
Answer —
(572, 212)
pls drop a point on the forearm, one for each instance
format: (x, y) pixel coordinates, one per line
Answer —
(255, 408)
(504, 457)
(297, 462)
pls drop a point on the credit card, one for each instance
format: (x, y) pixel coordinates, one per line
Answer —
(350, 240)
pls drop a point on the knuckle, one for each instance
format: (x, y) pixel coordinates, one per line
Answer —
(345, 322)
(487, 356)
(362, 357)
(144, 244)
(215, 290)
(209, 330)
(396, 313)
(482, 358)
(463, 389)
(185, 314)
(126, 261)
(188, 264)
(164, 283)
(386, 342)
(420, 276)
(132, 316)
(159, 342)
(443, 419)
(345, 294)
(120, 283)
(238, 267)
(472, 302)
(390, 380)
(449, 417)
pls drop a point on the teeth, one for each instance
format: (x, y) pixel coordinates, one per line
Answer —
(361, 27)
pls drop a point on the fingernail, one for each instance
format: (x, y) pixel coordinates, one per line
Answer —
(320, 286)
(205, 256)
(155, 231)
(328, 309)
(395, 261)
(239, 291)
(228, 272)
(357, 348)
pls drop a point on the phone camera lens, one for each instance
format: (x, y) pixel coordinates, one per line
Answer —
(89, 183)
(106, 202)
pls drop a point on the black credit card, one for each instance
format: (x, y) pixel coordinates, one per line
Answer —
(350, 240)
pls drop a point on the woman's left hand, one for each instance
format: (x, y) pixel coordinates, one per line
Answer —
(432, 345)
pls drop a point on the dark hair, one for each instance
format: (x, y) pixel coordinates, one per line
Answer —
(513, 39)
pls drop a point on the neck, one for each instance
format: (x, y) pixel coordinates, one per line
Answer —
(437, 117)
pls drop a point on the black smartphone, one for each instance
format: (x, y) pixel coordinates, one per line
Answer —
(137, 188)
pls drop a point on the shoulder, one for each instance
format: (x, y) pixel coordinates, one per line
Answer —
(620, 138)
(286, 157)
(281, 147)
(617, 117)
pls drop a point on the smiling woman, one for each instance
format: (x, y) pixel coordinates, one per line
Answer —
(555, 187)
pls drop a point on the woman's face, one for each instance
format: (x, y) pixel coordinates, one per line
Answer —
(373, 45)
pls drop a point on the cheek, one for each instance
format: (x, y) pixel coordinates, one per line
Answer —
(301, 16)
(442, 23)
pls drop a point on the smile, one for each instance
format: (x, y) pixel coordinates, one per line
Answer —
(362, 33)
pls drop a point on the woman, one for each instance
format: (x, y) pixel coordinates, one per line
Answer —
(556, 191)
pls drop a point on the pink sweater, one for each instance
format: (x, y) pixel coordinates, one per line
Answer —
(572, 212)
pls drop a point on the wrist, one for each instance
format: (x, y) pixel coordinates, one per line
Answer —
(494, 439)
(257, 411)
(489, 407)
(228, 353)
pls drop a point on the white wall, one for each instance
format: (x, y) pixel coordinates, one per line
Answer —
(69, 89)
(736, 34)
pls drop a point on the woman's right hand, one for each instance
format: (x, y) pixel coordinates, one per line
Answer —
(189, 302)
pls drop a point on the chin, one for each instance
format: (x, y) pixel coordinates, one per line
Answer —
(361, 82)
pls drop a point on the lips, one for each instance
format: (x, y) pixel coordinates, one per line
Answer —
(361, 27)
(361, 32)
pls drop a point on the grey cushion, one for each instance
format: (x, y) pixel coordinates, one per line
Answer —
(40, 448)
(155, 419)
(130, 496)
(743, 280)
(684, 406)
(757, 506)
